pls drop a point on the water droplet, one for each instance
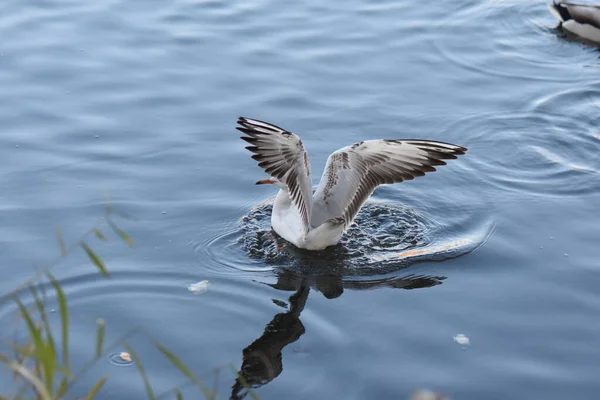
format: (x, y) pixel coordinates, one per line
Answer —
(566, 255)
(551, 237)
(164, 212)
(96, 136)
(16, 145)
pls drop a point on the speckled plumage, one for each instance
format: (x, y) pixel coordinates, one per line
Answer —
(315, 221)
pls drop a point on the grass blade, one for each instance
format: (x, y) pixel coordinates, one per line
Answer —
(244, 383)
(96, 389)
(184, 370)
(62, 388)
(38, 343)
(95, 259)
(35, 382)
(99, 234)
(142, 370)
(49, 348)
(125, 237)
(61, 242)
(64, 318)
(100, 336)
(178, 394)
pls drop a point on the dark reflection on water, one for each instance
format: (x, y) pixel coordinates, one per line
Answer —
(262, 360)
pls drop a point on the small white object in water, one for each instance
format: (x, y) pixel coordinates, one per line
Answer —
(125, 356)
(198, 288)
(425, 394)
(462, 339)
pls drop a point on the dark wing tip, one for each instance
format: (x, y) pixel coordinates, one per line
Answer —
(254, 123)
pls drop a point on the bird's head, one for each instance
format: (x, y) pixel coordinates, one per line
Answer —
(272, 181)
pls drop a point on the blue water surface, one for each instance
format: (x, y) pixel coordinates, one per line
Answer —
(134, 104)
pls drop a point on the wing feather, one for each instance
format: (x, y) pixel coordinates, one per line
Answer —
(282, 155)
(352, 173)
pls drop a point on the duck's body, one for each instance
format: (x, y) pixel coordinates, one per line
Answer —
(579, 19)
(316, 221)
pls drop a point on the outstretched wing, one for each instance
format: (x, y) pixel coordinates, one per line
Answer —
(282, 155)
(353, 172)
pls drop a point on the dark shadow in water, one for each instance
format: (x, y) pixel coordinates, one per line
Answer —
(262, 359)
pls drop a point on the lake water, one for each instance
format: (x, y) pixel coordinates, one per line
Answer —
(137, 101)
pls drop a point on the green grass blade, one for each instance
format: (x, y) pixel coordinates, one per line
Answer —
(142, 370)
(49, 359)
(245, 383)
(178, 394)
(64, 318)
(99, 234)
(39, 345)
(27, 374)
(184, 370)
(101, 327)
(62, 387)
(61, 242)
(95, 259)
(96, 389)
(125, 237)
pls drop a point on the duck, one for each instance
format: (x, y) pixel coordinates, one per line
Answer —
(315, 221)
(579, 19)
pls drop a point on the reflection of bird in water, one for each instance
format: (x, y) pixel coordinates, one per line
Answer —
(262, 360)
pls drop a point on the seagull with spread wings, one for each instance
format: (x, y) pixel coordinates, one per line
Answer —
(316, 221)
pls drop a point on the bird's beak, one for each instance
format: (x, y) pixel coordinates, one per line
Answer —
(265, 181)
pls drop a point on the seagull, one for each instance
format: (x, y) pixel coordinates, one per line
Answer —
(582, 20)
(316, 221)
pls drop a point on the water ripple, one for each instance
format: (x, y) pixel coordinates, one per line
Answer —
(551, 148)
(524, 43)
(384, 239)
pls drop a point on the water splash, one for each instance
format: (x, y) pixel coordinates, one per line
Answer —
(383, 239)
